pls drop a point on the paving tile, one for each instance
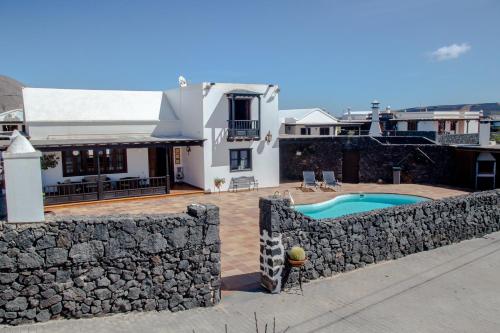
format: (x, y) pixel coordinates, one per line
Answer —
(239, 213)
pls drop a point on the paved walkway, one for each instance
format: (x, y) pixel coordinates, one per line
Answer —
(452, 289)
(239, 214)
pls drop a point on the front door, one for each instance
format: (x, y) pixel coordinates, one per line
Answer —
(158, 160)
(350, 166)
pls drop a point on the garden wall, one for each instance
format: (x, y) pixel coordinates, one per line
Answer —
(420, 163)
(344, 244)
(77, 267)
(458, 139)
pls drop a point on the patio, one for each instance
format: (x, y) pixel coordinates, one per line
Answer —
(239, 213)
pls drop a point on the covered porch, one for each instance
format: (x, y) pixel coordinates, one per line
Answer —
(78, 170)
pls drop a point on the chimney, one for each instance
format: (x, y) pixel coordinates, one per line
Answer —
(375, 125)
(349, 116)
(484, 133)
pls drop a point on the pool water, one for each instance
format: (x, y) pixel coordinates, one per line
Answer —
(356, 203)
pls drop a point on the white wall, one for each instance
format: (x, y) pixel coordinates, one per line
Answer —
(265, 156)
(402, 126)
(427, 125)
(137, 166)
(194, 173)
(473, 126)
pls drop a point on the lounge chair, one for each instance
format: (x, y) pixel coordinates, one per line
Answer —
(309, 179)
(329, 180)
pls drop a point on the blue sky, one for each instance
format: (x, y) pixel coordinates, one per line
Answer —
(329, 53)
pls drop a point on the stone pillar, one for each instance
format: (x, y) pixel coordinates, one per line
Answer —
(23, 181)
(484, 133)
(272, 252)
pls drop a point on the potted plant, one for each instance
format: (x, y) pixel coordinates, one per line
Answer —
(218, 182)
(296, 256)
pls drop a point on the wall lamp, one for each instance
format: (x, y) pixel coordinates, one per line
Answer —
(188, 149)
(269, 137)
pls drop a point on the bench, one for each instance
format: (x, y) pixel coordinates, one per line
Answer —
(244, 182)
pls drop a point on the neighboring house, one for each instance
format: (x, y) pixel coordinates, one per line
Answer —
(148, 140)
(307, 122)
(441, 122)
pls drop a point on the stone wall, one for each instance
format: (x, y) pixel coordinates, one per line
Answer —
(458, 139)
(344, 244)
(78, 267)
(420, 163)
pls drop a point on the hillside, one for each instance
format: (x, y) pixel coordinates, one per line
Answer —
(11, 95)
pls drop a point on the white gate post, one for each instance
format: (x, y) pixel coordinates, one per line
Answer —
(23, 181)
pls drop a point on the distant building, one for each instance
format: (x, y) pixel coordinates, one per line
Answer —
(314, 121)
(11, 105)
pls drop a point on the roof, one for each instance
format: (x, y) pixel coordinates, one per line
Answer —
(315, 116)
(107, 142)
(56, 105)
(11, 96)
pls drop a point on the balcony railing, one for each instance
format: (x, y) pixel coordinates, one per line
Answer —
(243, 130)
(106, 189)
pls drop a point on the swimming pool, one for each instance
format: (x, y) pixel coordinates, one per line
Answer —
(356, 203)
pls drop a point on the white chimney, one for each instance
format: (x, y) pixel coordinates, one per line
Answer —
(375, 125)
(484, 133)
(349, 116)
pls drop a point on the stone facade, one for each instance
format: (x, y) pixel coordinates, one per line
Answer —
(420, 163)
(344, 244)
(458, 139)
(76, 267)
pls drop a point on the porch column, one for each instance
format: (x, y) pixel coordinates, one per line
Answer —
(259, 116)
(167, 173)
(99, 184)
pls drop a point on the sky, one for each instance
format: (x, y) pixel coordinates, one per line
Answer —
(322, 53)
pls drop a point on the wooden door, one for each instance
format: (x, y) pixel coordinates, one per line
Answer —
(350, 166)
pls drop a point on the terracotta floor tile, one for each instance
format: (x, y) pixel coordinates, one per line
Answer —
(239, 214)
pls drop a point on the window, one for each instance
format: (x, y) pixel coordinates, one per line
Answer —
(10, 128)
(288, 129)
(441, 126)
(305, 131)
(324, 131)
(453, 126)
(241, 109)
(240, 159)
(412, 125)
(84, 162)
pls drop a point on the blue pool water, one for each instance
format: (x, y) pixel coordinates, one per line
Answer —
(356, 203)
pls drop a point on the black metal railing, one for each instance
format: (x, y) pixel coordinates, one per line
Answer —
(105, 189)
(243, 129)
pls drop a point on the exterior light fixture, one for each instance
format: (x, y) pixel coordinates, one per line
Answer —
(298, 153)
(269, 136)
(76, 153)
(188, 149)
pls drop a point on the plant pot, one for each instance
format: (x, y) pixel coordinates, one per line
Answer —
(296, 263)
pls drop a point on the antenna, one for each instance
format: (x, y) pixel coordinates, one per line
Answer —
(182, 81)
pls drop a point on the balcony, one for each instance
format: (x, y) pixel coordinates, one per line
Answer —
(243, 130)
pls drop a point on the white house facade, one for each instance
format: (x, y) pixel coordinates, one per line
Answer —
(100, 144)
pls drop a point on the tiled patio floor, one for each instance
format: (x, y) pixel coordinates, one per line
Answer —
(239, 215)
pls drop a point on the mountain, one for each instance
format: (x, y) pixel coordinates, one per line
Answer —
(489, 109)
(11, 94)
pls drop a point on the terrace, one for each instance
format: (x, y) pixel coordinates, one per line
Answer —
(239, 214)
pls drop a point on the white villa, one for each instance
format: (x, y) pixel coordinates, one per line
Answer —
(307, 122)
(441, 122)
(101, 144)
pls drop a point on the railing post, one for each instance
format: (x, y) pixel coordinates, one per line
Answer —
(99, 184)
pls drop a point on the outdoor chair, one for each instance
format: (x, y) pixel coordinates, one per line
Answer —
(329, 180)
(309, 179)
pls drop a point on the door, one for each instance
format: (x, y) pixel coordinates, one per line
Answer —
(157, 161)
(350, 166)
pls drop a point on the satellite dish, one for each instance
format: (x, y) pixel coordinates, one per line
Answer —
(182, 81)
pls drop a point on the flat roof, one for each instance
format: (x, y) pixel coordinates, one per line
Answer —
(108, 142)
